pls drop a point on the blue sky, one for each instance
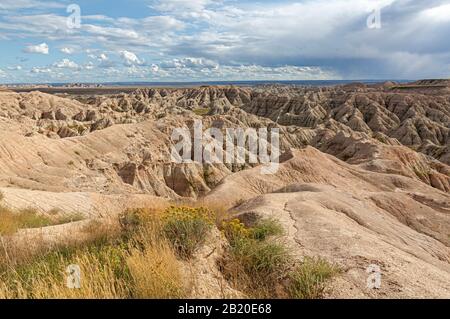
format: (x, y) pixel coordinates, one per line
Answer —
(202, 40)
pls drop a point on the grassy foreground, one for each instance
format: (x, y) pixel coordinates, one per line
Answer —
(12, 221)
(146, 258)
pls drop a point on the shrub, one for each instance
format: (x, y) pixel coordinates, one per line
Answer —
(235, 231)
(266, 228)
(264, 261)
(253, 262)
(308, 280)
(186, 228)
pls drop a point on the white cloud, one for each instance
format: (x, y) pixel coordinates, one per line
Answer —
(113, 32)
(15, 68)
(209, 39)
(172, 6)
(190, 62)
(161, 24)
(437, 14)
(130, 59)
(100, 57)
(154, 68)
(67, 50)
(27, 4)
(65, 64)
(89, 66)
(38, 70)
(40, 49)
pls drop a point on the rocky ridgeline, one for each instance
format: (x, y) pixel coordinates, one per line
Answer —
(355, 123)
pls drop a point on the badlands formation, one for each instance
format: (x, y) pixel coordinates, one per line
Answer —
(364, 177)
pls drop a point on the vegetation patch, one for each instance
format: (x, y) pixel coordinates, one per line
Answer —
(102, 267)
(147, 258)
(201, 111)
(138, 263)
(186, 228)
(253, 262)
(13, 220)
(259, 264)
(308, 280)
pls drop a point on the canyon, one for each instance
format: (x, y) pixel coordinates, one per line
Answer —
(364, 174)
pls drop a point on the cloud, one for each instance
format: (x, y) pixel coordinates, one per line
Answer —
(67, 50)
(38, 70)
(257, 72)
(154, 68)
(100, 57)
(65, 64)
(210, 39)
(192, 8)
(15, 68)
(89, 66)
(130, 59)
(190, 62)
(28, 4)
(161, 23)
(438, 14)
(329, 34)
(112, 32)
(40, 49)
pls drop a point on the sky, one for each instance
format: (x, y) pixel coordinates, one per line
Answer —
(222, 40)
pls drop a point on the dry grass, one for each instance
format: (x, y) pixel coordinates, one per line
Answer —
(143, 254)
(25, 247)
(139, 262)
(156, 273)
(103, 275)
(152, 261)
(220, 209)
(11, 222)
(309, 279)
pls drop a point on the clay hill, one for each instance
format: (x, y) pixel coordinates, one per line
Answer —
(364, 175)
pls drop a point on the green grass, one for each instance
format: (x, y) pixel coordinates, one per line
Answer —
(259, 264)
(255, 262)
(309, 279)
(11, 221)
(263, 261)
(266, 228)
